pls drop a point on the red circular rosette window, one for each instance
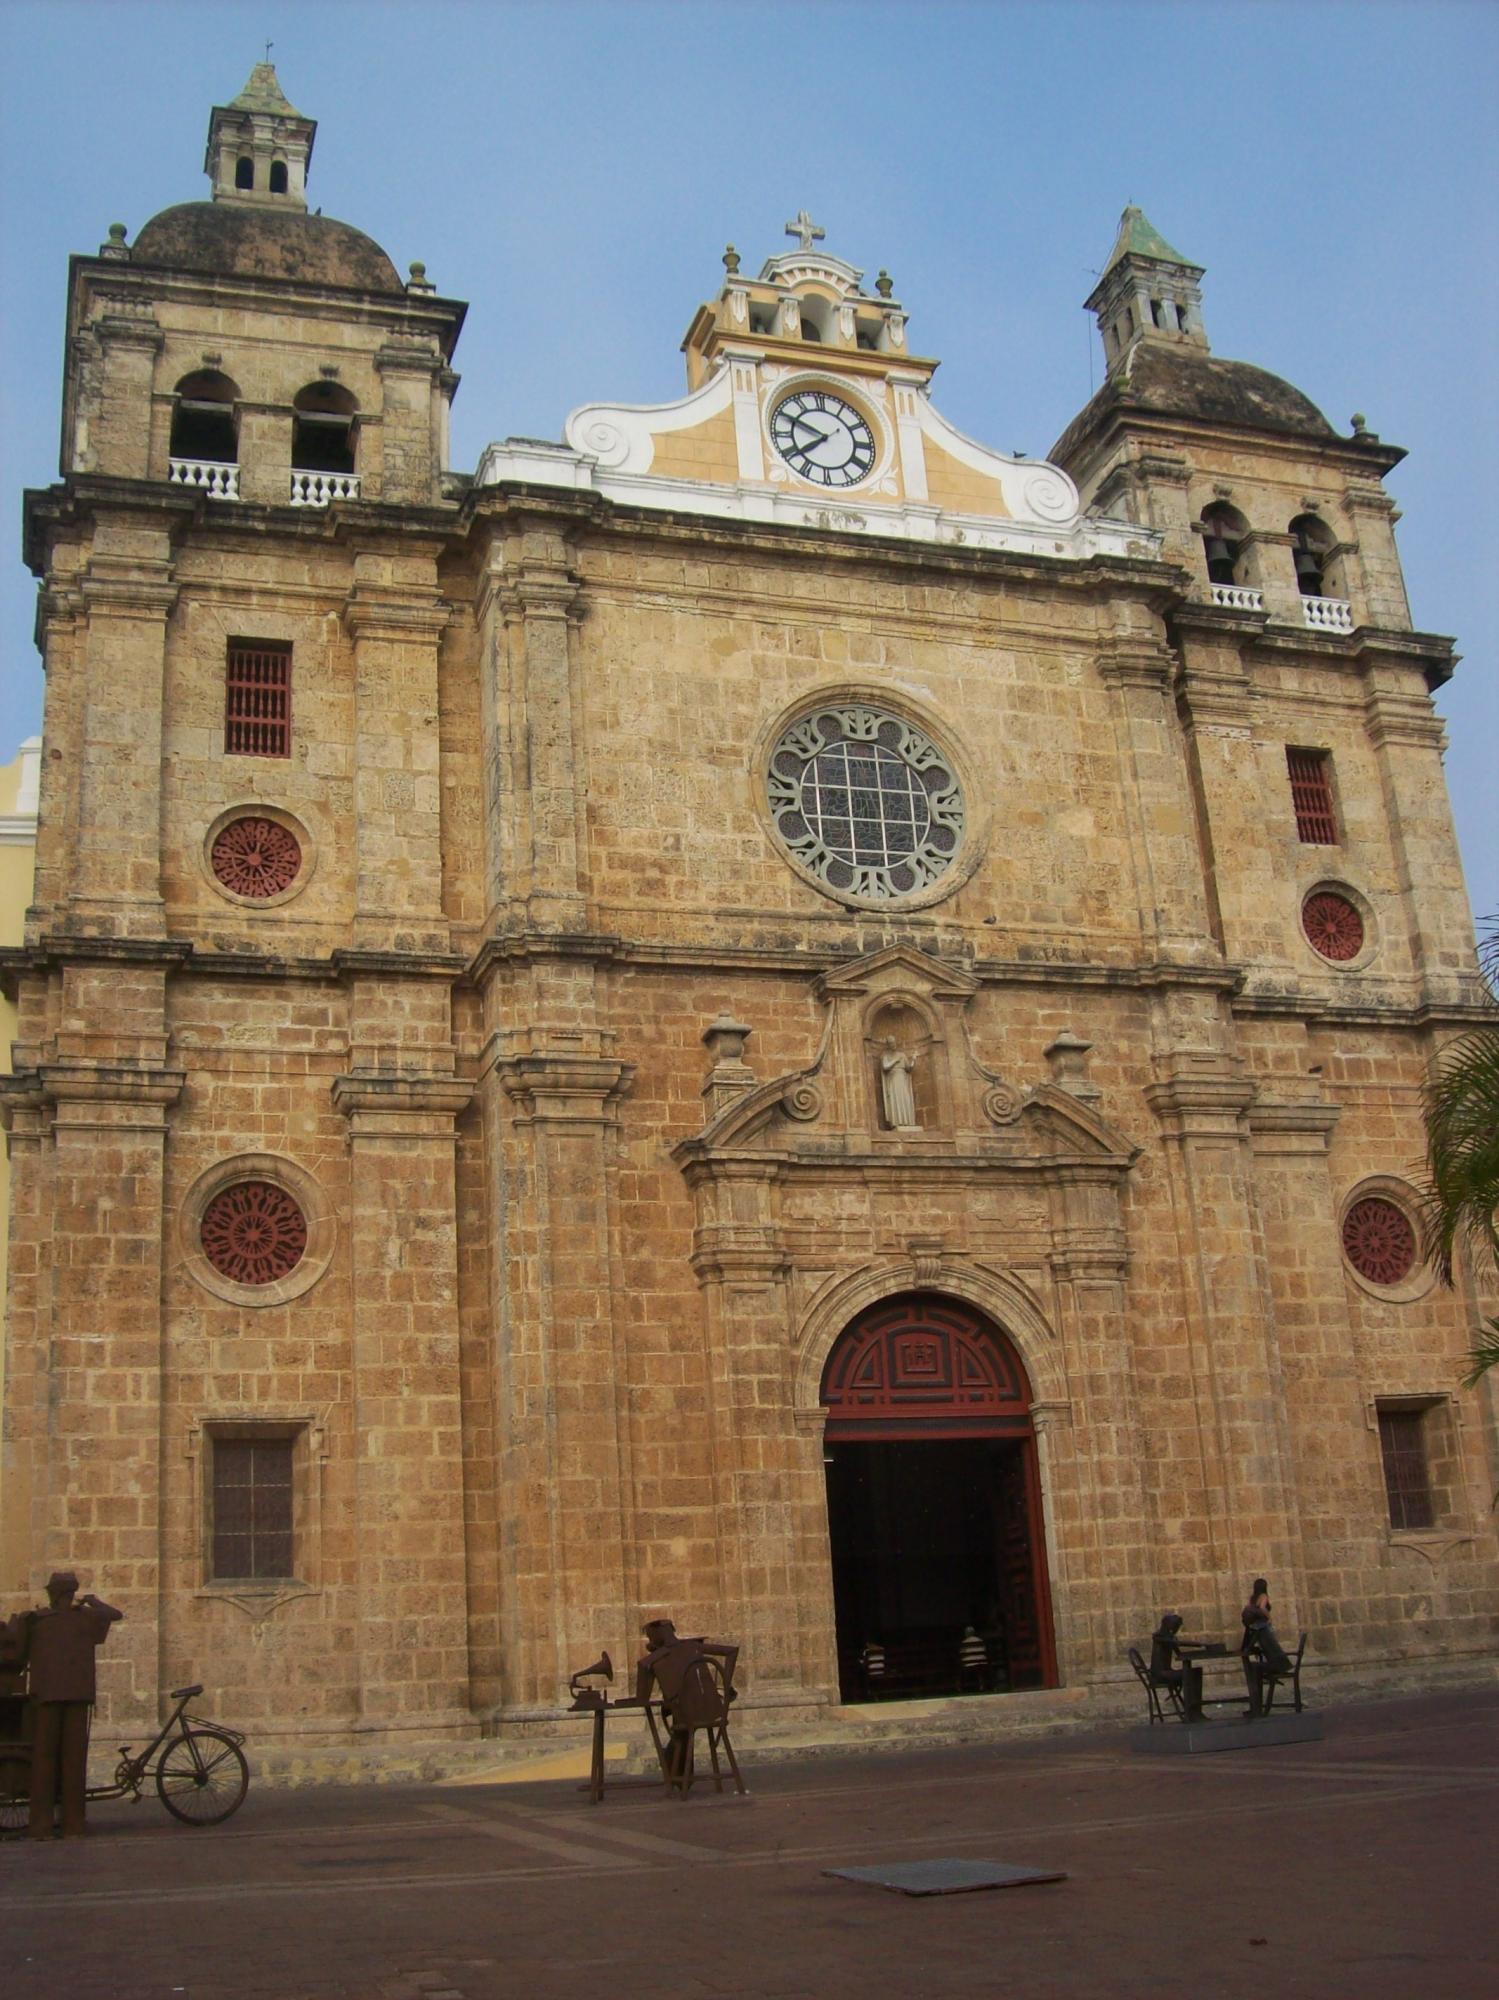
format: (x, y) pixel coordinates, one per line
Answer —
(256, 858)
(1333, 927)
(1379, 1241)
(253, 1233)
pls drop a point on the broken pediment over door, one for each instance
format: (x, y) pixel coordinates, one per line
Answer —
(897, 1078)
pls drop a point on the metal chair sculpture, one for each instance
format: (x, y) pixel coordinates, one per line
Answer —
(700, 1703)
(1154, 1689)
(1273, 1677)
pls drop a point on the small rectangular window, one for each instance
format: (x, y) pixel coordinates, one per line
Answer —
(1407, 1479)
(257, 699)
(252, 1508)
(1311, 793)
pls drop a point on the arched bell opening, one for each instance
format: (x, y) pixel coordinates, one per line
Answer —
(935, 1517)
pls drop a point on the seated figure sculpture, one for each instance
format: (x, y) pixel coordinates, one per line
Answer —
(1262, 1652)
(1172, 1666)
(673, 1668)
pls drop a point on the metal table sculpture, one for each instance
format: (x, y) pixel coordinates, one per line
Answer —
(688, 1684)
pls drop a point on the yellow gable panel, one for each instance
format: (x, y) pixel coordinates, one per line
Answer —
(706, 451)
(958, 487)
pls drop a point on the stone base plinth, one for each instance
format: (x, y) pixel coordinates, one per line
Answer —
(1193, 1739)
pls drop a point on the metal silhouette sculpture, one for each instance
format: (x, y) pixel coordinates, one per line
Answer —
(57, 1643)
(694, 1681)
(1265, 1658)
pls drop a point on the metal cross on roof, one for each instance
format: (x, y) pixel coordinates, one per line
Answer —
(805, 229)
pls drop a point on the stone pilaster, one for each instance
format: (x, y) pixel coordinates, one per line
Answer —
(396, 619)
(1113, 1581)
(1244, 862)
(536, 768)
(1408, 742)
(1332, 1483)
(759, 1462)
(412, 1625)
(410, 422)
(1241, 1481)
(128, 591)
(84, 1390)
(562, 1447)
(1136, 664)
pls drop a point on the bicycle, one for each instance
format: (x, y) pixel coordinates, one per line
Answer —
(200, 1771)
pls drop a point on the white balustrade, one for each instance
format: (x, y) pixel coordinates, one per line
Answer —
(319, 489)
(1327, 614)
(209, 476)
(1234, 597)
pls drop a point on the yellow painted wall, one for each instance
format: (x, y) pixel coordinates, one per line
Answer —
(18, 781)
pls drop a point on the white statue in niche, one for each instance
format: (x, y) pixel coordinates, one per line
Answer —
(896, 1088)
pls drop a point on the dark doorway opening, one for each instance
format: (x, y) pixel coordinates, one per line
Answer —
(932, 1545)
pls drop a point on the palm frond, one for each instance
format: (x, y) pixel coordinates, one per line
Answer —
(1484, 1356)
(1462, 1147)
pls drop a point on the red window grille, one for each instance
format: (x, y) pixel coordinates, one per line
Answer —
(252, 1507)
(257, 700)
(1379, 1241)
(253, 1233)
(1332, 926)
(1407, 1482)
(1311, 793)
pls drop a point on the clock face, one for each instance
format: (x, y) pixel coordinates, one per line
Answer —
(823, 438)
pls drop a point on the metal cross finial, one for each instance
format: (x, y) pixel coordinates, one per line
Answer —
(268, 47)
(806, 229)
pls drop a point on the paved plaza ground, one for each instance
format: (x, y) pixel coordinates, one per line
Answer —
(1360, 1866)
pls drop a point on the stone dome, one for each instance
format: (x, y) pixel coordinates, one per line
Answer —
(1185, 381)
(260, 242)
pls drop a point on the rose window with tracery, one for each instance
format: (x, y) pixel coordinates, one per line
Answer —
(253, 1233)
(1332, 925)
(867, 804)
(256, 857)
(1379, 1241)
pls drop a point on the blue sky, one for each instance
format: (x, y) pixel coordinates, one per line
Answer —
(574, 171)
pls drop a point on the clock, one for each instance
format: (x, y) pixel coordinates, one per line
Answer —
(823, 438)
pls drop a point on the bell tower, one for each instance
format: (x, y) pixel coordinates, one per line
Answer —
(259, 146)
(1148, 291)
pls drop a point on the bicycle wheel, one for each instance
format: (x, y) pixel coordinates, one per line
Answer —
(15, 1797)
(202, 1777)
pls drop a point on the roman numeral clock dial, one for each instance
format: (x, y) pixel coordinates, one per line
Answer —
(822, 438)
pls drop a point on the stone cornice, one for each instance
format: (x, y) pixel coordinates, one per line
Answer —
(356, 964)
(401, 311)
(521, 947)
(401, 1095)
(394, 615)
(1292, 1126)
(569, 511)
(58, 946)
(109, 1083)
(952, 1166)
(564, 1089)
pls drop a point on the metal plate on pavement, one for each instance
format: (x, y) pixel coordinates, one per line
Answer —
(946, 1878)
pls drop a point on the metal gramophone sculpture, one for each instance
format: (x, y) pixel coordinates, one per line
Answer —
(591, 1697)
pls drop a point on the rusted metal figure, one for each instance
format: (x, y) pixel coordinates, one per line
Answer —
(1262, 1651)
(694, 1681)
(57, 1643)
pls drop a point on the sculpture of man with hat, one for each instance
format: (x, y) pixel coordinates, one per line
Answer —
(58, 1643)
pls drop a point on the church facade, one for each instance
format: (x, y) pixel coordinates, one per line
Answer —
(766, 1013)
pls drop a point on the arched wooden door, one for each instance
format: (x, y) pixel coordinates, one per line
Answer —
(934, 1503)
